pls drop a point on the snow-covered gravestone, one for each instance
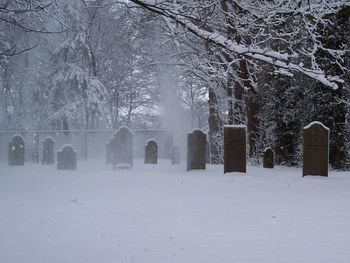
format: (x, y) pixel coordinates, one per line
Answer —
(315, 149)
(268, 158)
(196, 150)
(67, 158)
(175, 155)
(48, 151)
(121, 148)
(151, 152)
(207, 152)
(16, 150)
(235, 148)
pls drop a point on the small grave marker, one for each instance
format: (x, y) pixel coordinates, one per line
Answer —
(16, 150)
(151, 152)
(67, 158)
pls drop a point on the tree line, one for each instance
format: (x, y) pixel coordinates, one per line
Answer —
(272, 65)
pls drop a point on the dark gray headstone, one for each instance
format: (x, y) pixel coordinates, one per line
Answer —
(315, 149)
(151, 152)
(67, 158)
(196, 150)
(16, 150)
(208, 153)
(121, 148)
(235, 148)
(48, 151)
(268, 158)
(175, 155)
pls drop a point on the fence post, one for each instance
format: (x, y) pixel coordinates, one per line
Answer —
(36, 146)
(86, 144)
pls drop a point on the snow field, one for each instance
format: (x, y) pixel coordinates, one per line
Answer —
(164, 214)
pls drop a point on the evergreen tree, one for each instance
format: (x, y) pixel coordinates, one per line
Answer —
(77, 94)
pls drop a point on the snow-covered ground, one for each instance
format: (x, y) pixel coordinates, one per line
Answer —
(160, 214)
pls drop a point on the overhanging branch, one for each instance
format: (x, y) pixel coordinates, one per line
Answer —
(274, 58)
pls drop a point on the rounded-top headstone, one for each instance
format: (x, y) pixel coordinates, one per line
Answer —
(151, 152)
(315, 149)
(196, 150)
(48, 151)
(268, 158)
(67, 158)
(235, 148)
(16, 150)
(122, 148)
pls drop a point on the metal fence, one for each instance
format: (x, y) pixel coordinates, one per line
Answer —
(90, 144)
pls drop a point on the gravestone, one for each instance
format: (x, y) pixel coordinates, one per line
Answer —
(67, 158)
(207, 152)
(16, 150)
(315, 149)
(48, 151)
(151, 152)
(196, 150)
(121, 148)
(175, 155)
(268, 158)
(235, 148)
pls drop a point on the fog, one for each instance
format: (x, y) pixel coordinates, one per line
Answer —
(174, 131)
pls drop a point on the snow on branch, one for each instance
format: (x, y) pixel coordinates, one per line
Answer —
(277, 59)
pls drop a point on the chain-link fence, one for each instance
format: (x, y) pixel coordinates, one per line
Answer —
(90, 144)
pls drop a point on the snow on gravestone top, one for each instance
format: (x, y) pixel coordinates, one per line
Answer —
(235, 148)
(238, 126)
(196, 150)
(195, 131)
(267, 148)
(316, 123)
(315, 149)
(150, 140)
